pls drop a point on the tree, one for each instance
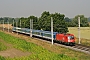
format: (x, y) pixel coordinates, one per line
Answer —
(68, 22)
(6, 19)
(44, 21)
(35, 21)
(16, 22)
(58, 21)
(83, 21)
(67, 19)
(89, 19)
(25, 22)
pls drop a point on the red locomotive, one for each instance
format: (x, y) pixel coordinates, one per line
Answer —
(66, 38)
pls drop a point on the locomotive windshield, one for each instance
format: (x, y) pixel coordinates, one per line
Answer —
(70, 37)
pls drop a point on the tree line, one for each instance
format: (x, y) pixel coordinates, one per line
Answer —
(60, 22)
(6, 19)
(84, 22)
(89, 19)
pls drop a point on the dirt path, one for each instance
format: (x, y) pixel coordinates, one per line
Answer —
(11, 51)
(6, 44)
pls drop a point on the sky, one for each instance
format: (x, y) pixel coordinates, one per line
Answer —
(26, 8)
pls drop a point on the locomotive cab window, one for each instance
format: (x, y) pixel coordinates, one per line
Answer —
(70, 37)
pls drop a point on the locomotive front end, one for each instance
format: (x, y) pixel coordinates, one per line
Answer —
(71, 39)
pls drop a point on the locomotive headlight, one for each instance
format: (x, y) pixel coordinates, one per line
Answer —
(68, 38)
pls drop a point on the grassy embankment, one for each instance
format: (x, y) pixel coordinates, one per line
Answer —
(57, 51)
(37, 52)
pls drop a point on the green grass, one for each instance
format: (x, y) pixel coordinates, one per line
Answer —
(37, 52)
(2, 46)
(2, 58)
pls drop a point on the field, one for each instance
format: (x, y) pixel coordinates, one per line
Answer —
(84, 34)
(89, 23)
(6, 26)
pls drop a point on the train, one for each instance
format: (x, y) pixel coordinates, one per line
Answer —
(64, 38)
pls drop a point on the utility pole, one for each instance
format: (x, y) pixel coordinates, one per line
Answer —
(3, 25)
(52, 29)
(17, 26)
(0, 24)
(30, 28)
(79, 30)
(13, 25)
(32, 24)
(8, 25)
(20, 23)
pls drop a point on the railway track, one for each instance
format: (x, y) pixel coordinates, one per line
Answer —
(77, 47)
